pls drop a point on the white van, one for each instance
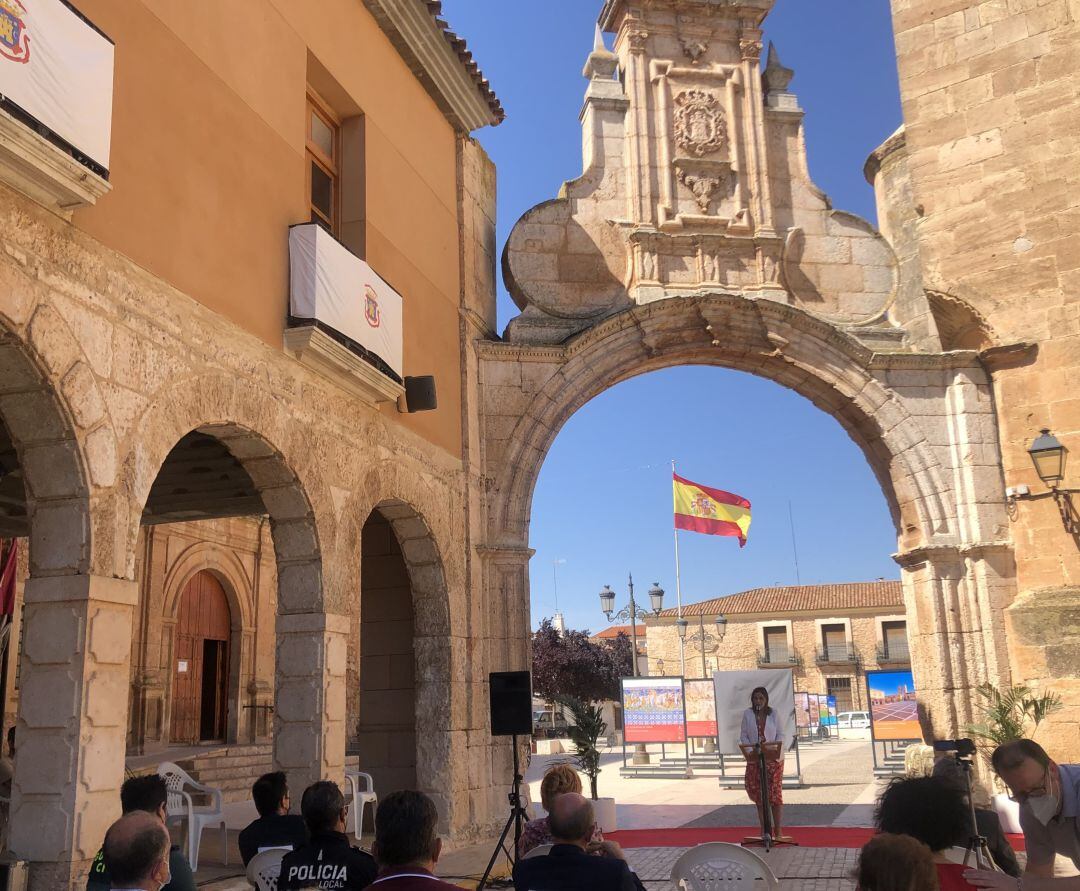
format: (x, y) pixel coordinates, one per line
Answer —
(853, 720)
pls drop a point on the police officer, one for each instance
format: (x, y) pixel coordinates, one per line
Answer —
(327, 862)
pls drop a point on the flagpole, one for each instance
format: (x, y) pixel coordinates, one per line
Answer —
(678, 585)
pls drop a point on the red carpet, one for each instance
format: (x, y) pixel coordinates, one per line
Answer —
(806, 836)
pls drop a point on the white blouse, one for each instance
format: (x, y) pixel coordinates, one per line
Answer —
(749, 734)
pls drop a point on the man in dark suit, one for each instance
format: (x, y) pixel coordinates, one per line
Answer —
(406, 845)
(573, 863)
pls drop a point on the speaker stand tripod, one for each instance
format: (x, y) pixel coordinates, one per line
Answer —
(516, 820)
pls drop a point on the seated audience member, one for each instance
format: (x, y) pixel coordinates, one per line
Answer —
(895, 863)
(136, 853)
(1049, 798)
(558, 779)
(147, 794)
(406, 846)
(568, 867)
(932, 812)
(987, 824)
(327, 860)
(276, 827)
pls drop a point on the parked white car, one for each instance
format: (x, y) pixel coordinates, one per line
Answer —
(853, 720)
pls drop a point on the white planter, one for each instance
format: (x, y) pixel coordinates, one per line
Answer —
(1008, 813)
(604, 810)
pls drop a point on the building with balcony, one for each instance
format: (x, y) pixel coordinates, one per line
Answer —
(828, 635)
(244, 259)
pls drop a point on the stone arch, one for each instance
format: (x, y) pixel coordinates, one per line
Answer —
(435, 690)
(924, 422)
(283, 469)
(270, 450)
(768, 339)
(50, 458)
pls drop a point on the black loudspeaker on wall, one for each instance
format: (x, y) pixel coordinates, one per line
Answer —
(420, 393)
(511, 703)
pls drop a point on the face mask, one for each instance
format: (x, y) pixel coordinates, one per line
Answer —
(1045, 807)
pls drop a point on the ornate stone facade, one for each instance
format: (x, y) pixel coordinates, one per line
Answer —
(695, 236)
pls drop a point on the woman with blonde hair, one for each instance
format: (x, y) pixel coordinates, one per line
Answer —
(896, 863)
(558, 779)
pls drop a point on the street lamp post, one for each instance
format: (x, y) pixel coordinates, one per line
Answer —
(633, 613)
(704, 643)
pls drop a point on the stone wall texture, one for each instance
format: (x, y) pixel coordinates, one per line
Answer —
(991, 99)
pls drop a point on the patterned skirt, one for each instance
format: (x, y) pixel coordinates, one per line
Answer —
(775, 771)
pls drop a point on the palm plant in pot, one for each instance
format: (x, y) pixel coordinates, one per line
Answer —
(588, 727)
(1009, 714)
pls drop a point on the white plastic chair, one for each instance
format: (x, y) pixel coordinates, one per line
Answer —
(719, 866)
(180, 806)
(538, 851)
(362, 790)
(264, 869)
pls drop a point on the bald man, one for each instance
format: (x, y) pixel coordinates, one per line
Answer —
(575, 864)
(136, 853)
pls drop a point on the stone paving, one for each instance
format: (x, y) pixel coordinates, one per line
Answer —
(805, 869)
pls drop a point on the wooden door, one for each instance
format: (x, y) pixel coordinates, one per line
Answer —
(201, 668)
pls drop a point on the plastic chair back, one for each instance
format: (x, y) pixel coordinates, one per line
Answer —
(719, 866)
(265, 868)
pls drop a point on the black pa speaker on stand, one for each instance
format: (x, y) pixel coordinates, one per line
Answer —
(511, 715)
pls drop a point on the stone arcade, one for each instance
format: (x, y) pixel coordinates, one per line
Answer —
(693, 236)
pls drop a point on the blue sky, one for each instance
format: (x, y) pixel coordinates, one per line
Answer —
(603, 501)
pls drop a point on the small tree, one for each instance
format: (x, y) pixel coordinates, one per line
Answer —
(1012, 713)
(585, 734)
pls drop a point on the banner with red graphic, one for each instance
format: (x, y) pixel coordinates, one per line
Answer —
(701, 708)
(331, 285)
(653, 710)
(58, 68)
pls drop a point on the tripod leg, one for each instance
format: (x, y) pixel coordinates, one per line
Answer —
(498, 847)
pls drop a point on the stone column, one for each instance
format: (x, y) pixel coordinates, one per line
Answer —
(72, 723)
(309, 714)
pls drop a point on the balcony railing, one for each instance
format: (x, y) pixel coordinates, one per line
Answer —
(837, 655)
(784, 657)
(893, 653)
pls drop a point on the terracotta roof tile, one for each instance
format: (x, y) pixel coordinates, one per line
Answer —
(800, 598)
(614, 631)
(460, 47)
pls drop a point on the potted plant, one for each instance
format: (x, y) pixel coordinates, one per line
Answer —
(585, 732)
(1010, 714)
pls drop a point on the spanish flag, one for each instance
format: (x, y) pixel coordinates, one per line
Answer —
(701, 509)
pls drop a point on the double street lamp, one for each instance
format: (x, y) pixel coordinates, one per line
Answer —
(701, 640)
(631, 611)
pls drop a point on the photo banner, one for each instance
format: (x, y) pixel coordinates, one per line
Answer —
(830, 703)
(893, 708)
(733, 690)
(815, 712)
(59, 70)
(802, 711)
(701, 708)
(653, 710)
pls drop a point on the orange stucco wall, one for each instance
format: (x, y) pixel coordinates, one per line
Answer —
(208, 165)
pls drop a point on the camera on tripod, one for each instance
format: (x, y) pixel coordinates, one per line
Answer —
(963, 749)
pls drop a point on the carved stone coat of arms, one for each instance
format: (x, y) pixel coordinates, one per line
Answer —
(700, 127)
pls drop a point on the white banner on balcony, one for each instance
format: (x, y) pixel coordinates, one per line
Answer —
(331, 285)
(59, 70)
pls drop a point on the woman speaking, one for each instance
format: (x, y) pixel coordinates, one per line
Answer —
(760, 724)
